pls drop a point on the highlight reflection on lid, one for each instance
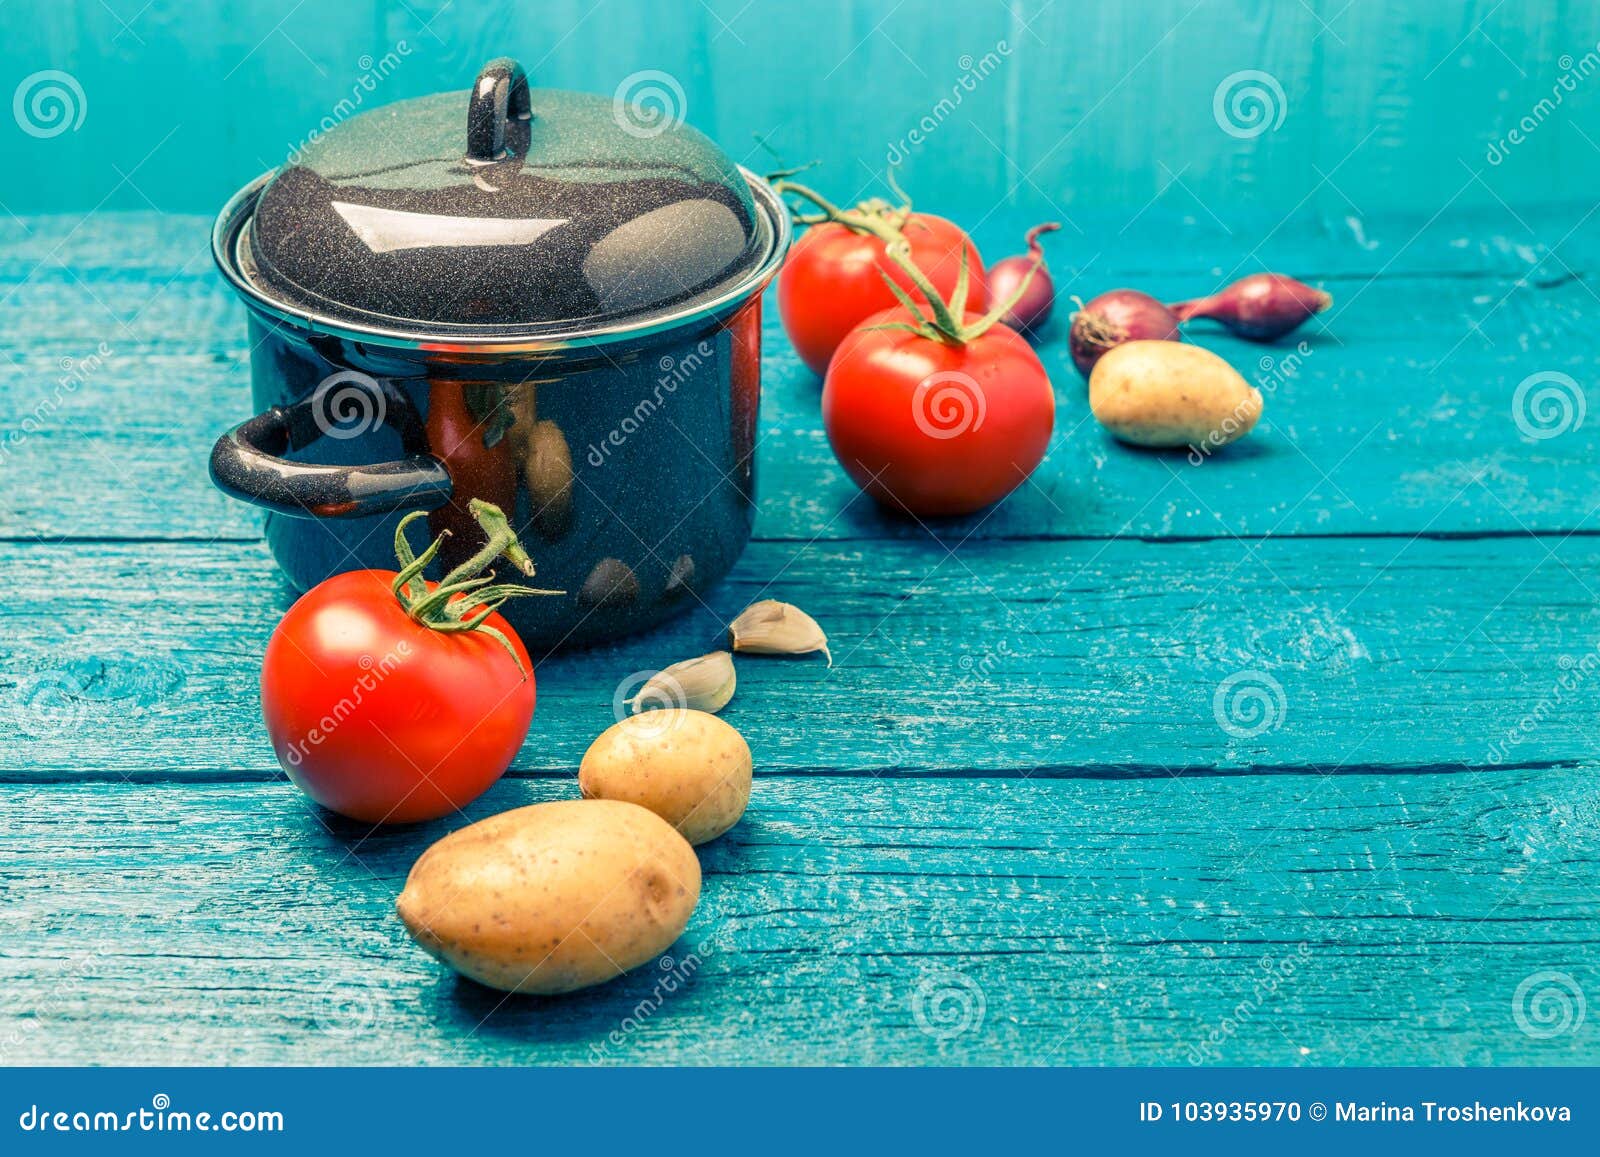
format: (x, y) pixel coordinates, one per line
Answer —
(386, 230)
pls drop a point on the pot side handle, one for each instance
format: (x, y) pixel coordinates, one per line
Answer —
(247, 462)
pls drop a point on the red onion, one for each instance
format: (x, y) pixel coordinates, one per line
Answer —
(1113, 318)
(1031, 309)
(1260, 307)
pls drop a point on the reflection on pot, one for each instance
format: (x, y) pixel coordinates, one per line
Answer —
(466, 426)
(546, 463)
(744, 387)
(680, 577)
(611, 583)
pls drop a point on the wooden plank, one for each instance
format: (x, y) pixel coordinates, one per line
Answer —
(1074, 106)
(162, 83)
(1363, 433)
(1365, 920)
(1387, 68)
(1114, 658)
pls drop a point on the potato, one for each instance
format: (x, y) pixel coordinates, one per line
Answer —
(689, 767)
(1167, 393)
(553, 897)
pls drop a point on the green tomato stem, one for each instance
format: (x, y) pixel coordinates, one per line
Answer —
(886, 223)
(877, 218)
(466, 596)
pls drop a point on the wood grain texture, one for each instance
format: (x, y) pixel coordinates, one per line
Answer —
(1364, 920)
(1397, 417)
(1044, 784)
(1377, 105)
(1018, 658)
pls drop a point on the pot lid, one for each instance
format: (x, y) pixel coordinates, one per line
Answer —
(505, 209)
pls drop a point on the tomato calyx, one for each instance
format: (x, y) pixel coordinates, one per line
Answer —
(938, 319)
(466, 597)
(946, 321)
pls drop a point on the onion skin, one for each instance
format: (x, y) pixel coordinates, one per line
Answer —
(1121, 315)
(1261, 307)
(1006, 279)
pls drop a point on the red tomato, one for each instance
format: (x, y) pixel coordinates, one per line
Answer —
(382, 719)
(935, 428)
(830, 281)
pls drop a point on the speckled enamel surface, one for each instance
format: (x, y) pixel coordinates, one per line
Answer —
(586, 216)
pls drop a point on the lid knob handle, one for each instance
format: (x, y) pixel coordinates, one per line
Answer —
(497, 118)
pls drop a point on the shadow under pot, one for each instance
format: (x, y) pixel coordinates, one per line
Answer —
(510, 294)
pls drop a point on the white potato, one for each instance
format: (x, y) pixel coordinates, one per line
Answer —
(553, 897)
(689, 767)
(1167, 393)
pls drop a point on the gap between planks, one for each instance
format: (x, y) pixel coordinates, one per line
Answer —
(1154, 539)
(45, 776)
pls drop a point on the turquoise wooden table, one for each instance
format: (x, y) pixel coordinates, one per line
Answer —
(1285, 758)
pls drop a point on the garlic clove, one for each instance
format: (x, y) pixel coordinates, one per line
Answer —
(773, 628)
(703, 684)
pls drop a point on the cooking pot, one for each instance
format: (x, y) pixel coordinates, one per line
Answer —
(542, 299)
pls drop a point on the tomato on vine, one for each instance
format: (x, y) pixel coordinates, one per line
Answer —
(938, 410)
(835, 275)
(392, 699)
